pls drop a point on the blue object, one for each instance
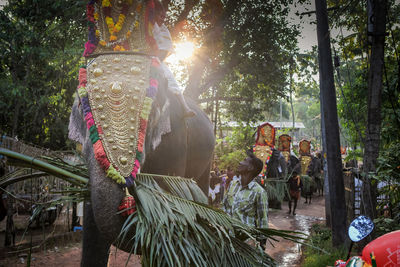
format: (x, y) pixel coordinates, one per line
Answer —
(77, 228)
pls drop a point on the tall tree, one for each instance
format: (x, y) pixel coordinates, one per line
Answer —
(372, 137)
(328, 99)
(245, 57)
(40, 43)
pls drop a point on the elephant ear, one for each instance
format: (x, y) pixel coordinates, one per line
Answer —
(77, 127)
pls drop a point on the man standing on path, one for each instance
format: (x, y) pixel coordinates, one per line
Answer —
(295, 185)
(246, 200)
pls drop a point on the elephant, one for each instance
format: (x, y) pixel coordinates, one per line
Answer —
(276, 169)
(185, 151)
(317, 173)
(310, 179)
(276, 166)
(292, 163)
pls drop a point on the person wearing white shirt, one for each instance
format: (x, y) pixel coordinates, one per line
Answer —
(164, 43)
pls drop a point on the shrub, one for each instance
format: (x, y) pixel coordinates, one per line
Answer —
(321, 237)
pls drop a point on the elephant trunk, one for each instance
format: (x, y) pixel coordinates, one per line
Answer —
(106, 196)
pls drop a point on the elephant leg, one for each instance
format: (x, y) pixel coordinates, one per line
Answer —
(203, 181)
(95, 248)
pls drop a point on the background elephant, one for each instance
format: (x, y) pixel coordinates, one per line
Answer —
(185, 151)
(276, 166)
(276, 169)
(317, 173)
(308, 179)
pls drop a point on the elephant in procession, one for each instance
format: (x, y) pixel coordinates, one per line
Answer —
(277, 170)
(276, 166)
(185, 150)
(312, 178)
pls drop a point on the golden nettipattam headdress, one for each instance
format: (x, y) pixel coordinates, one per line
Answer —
(305, 155)
(284, 145)
(118, 85)
(265, 135)
(263, 152)
(305, 147)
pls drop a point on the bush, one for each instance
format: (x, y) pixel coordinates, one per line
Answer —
(321, 237)
(388, 173)
(385, 225)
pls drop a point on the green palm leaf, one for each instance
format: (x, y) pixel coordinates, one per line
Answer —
(276, 189)
(193, 234)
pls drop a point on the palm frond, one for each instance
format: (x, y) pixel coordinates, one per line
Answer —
(19, 175)
(308, 183)
(183, 187)
(177, 229)
(181, 231)
(276, 189)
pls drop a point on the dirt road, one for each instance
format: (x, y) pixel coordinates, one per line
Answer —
(286, 253)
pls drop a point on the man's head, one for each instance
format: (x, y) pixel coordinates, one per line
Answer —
(251, 166)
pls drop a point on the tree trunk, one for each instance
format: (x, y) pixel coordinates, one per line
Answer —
(328, 96)
(372, 137)
(325, 167)
(291, 98)
(216, 113)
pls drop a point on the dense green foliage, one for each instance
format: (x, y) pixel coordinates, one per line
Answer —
(388, 173)
(230, 150)
(321, 238)
(352, 47)
(40, 43)
(353, 50)
(249, 59)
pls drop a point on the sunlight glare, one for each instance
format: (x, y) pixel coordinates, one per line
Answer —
(184, 50)
(179, 60)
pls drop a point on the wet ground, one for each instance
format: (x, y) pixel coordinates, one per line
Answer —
(62, 247)
(67, 254)
(288, 253)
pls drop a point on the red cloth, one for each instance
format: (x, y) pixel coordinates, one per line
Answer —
(128, 205)
(294, 194)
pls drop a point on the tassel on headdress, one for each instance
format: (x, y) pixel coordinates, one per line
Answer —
(128, 204)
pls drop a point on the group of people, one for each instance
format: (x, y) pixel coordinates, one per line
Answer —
(219, 183)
